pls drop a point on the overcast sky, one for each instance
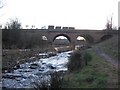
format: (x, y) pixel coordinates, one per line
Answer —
(81, 14)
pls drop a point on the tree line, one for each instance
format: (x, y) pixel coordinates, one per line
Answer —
(21, 39)
(14, 37)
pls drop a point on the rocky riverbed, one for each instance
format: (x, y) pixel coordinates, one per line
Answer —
(25, 75)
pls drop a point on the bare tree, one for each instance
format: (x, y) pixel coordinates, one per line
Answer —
(109, 24)
(43, 27)
(13, 24)
(2, 3)
(33, 26)
(27, 26)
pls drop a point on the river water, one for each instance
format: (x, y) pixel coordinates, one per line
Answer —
(29, 73)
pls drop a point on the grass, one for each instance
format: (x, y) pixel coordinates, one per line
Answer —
(110, 47)
(97, 74)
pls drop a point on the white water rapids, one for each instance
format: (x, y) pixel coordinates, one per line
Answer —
(29, 73)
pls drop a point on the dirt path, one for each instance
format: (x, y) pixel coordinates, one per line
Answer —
(106, 57)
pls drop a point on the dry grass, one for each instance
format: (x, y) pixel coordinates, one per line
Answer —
(11, 57)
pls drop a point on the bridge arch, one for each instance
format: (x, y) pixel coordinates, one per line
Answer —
(62, 35)
(80, 40)
(88, 38)
(79, 37)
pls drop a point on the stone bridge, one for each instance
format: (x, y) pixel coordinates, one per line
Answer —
(91, 36)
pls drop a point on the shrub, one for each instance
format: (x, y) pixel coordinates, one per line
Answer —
(78, 59)
(56, 81)
(87, 57)
(75, 61)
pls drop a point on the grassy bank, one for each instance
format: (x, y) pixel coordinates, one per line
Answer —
(97, 74)
(110, 47)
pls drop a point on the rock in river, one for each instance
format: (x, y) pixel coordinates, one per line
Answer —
(11, 76)
(51, 66)
(34, 66)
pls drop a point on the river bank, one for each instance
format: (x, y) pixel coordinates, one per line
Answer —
(99, 73)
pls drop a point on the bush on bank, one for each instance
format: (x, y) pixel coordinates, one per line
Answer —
(78, 59)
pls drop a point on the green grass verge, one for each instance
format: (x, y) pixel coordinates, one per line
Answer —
(97, 74)
(110, 47)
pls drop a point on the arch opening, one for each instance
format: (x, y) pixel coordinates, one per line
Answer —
(89, 39)
(61, 39)
(84, 41)
(80, 38)
(80, 41)
(44, 38)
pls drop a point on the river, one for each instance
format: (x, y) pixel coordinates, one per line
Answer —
(29, 73)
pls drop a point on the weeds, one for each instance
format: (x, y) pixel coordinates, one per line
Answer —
(87, 57)
(41, 85)
(55, 83)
